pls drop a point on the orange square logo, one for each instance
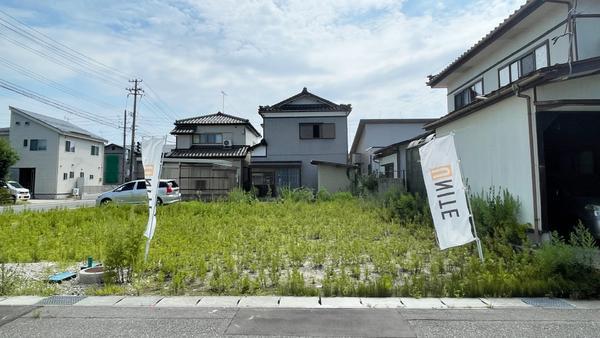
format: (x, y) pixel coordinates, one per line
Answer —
(441, 172)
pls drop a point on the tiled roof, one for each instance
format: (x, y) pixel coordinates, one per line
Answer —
(211, 120)
(287, 105)
(209, 152)
(182, 130)
(508, 23)
(62, 126)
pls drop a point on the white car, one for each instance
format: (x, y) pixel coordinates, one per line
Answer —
(135, 192)
(17, 191)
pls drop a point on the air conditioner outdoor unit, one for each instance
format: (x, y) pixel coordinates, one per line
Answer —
(75, 191)
(227, 143)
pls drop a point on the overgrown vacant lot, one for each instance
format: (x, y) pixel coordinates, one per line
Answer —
(343, 246)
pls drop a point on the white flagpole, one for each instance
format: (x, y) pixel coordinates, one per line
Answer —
(152, 207)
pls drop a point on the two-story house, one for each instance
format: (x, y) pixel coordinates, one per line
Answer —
(373, 135)
(55, 156)
(211, 155)
(524, 105)
(299, 130)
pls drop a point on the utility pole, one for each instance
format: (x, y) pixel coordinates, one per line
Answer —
(135, 91)
(124, 160)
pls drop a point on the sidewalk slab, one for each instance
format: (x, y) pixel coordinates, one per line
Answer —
(465, 303)
(99, 301)
(505, 302)
(182, 301)
(139, 301)
(299, 302)
(219, 301)
(259, 301)
(21, 300)
(423, 303)
(583, 304)
(342, 302)
(382, 303)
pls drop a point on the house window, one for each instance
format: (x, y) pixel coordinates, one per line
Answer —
(514, 71)
(389, 170)
(18, 123)
(541, 57)
(37, 145)
(207, 138)
(25, 143)
(71, 174)
(504, 76)
(69, 147)
(65, 176)
(26, 123)
(317, 130)
(95, 151)
(91, 177)
(468, 95)
(527, 64)
(81, 174)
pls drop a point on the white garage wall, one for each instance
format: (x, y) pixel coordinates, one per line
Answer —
(493, 145)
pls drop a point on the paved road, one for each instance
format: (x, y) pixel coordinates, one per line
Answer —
(70, 321)
(39, 205)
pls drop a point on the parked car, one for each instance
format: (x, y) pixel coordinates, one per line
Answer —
(135, 192)
(17, 191)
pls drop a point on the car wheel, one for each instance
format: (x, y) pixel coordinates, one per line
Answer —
(159, 201)
(106, 201)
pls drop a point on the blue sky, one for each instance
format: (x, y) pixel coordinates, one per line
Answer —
(373, 54)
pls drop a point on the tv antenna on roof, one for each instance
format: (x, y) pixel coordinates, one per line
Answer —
(223, 107)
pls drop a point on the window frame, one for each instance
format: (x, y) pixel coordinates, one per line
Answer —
(37, 145)
(519, 63)
(466, 93)
(316, 126)
(199, 138)
(95, 153)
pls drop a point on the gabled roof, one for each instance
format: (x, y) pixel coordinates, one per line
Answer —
(60, 126)
(186, 126)
(363, 122)
(516, 17)
(210, 152)
(288, 105)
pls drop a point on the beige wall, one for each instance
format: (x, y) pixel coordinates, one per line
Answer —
(332, 179)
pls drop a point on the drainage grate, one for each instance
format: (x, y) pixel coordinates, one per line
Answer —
(548, 303)
(60, 300)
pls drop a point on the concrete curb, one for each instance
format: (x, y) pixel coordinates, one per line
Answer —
(298, 302)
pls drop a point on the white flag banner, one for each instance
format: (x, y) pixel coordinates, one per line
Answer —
(446, 192)
(152, 149)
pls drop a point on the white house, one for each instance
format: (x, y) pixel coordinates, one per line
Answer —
(524, 104)
(375, 134)
(55, 156)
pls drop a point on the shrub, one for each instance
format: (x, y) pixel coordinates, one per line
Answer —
(323, 195)
(9, 279)
(238, 195)
(122, 252)
(302, 194)
(6, 197)
(368, 184)
(407, 207)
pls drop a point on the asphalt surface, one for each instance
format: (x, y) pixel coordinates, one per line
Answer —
(69, 321)
(41, 205)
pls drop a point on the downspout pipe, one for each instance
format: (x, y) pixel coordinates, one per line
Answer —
(530, 117)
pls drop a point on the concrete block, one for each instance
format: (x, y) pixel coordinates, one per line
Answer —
(342, 302)
(465, 303)
(21, 300)
(382, 303)
(259, 301)
(99, 301)
(505, 302)
(178, 302)
(219, 301)
(144, 301)
(299, 302)
(423, 303)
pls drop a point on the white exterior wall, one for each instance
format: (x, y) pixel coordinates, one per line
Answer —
(393, 158)
(80, 161)
(580, 88)
(45, 161)
(530, 31)
(493, 146)
(332, 179)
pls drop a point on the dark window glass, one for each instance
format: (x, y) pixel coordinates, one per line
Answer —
(306, 131)
(81, 174)
(71, 174)
(173, 184)
(25, 143)
(328, 130)
(162, 184)
(316, 131)
(141, 185)
(389, 170)
(65, 176)
(528, 64)
(91, 177)
(126, 186)
(37, 145)
(67, 146)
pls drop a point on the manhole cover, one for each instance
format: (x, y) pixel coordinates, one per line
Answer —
(548, 303)
(60, 300)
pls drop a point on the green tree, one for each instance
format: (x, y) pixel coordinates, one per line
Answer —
(8, 157)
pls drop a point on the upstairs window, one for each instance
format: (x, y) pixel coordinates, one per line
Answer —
(95, 151)
(527, 64)
(25, 143)
(69, 147)
(207, 138)
(468, 95)
(37, 145)
(317, 130)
